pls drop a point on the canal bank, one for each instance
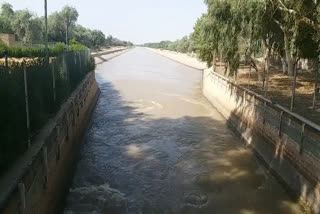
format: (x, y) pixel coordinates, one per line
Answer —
(156, 145)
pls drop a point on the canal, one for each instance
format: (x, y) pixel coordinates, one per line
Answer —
(156, 146)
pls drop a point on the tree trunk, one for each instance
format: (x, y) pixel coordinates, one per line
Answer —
(67, 36)
(260, 76)
(249, 81)
(214, 61)
(46, 30)
(289, 58)
(284, 65)
(267, 67)
(226, 69)
(220, 61)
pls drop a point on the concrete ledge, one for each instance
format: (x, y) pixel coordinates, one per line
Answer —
(298, 169)
(106, 52)
(108, 55)
(37, 182)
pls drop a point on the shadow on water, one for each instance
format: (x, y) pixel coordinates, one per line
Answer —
(135, 163)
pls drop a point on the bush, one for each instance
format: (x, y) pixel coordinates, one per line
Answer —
(31, 52)
(76, 46)
(58, 49)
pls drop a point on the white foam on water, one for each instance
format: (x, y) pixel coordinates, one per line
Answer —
(96, 200)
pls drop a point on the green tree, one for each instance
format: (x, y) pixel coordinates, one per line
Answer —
(98, 38)
(6, 16)
(56, 29)
(83, 35)
(26, 26)
(70, 16)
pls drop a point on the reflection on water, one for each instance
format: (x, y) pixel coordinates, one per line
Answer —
(156, 146)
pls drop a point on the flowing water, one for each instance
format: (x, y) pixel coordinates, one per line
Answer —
(156, 146)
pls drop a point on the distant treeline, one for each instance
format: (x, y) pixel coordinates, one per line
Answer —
(184, 45)
(62, 27)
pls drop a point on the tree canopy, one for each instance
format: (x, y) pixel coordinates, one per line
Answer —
(236, 30)
(62, 27)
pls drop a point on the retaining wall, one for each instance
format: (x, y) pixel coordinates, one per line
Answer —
(37, 182)
(288, 143)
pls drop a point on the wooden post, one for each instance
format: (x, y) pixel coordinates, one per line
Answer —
(22, 194)
(79, 54)
(302, 137)
(53, 83)
(58, 156)
(26, 103)
(220, 61)
(45, 162)
(249, 82)
(264, 112)
(46, 30)
(6, 60)
(280, 124)
(64, 65)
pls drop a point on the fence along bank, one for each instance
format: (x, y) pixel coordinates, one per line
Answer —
(287, 142)
(44, 109)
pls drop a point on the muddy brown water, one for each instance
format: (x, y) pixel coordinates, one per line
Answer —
(156, 146)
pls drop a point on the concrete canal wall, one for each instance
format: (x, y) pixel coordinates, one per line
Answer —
(38, 181)
(287, 143)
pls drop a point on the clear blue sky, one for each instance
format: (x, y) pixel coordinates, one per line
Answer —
(139, 21)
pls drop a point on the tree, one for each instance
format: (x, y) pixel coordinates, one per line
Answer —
(62, 27)
(7, 10)
(5, 18)
(26, 26)
(56, 30)
(83, 35)
(98, 38)
(70, 16)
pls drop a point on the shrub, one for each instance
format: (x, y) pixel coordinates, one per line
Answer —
(76, 46)
(32, 52)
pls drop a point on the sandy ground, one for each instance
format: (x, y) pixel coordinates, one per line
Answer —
(182, 58)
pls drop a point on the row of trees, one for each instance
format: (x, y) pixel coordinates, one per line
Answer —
(235, 30)
(62, 27)
(184, 45)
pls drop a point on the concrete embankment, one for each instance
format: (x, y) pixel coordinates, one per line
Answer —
(287, 143)
(185, 59)
(38, 181)
(105, 55)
